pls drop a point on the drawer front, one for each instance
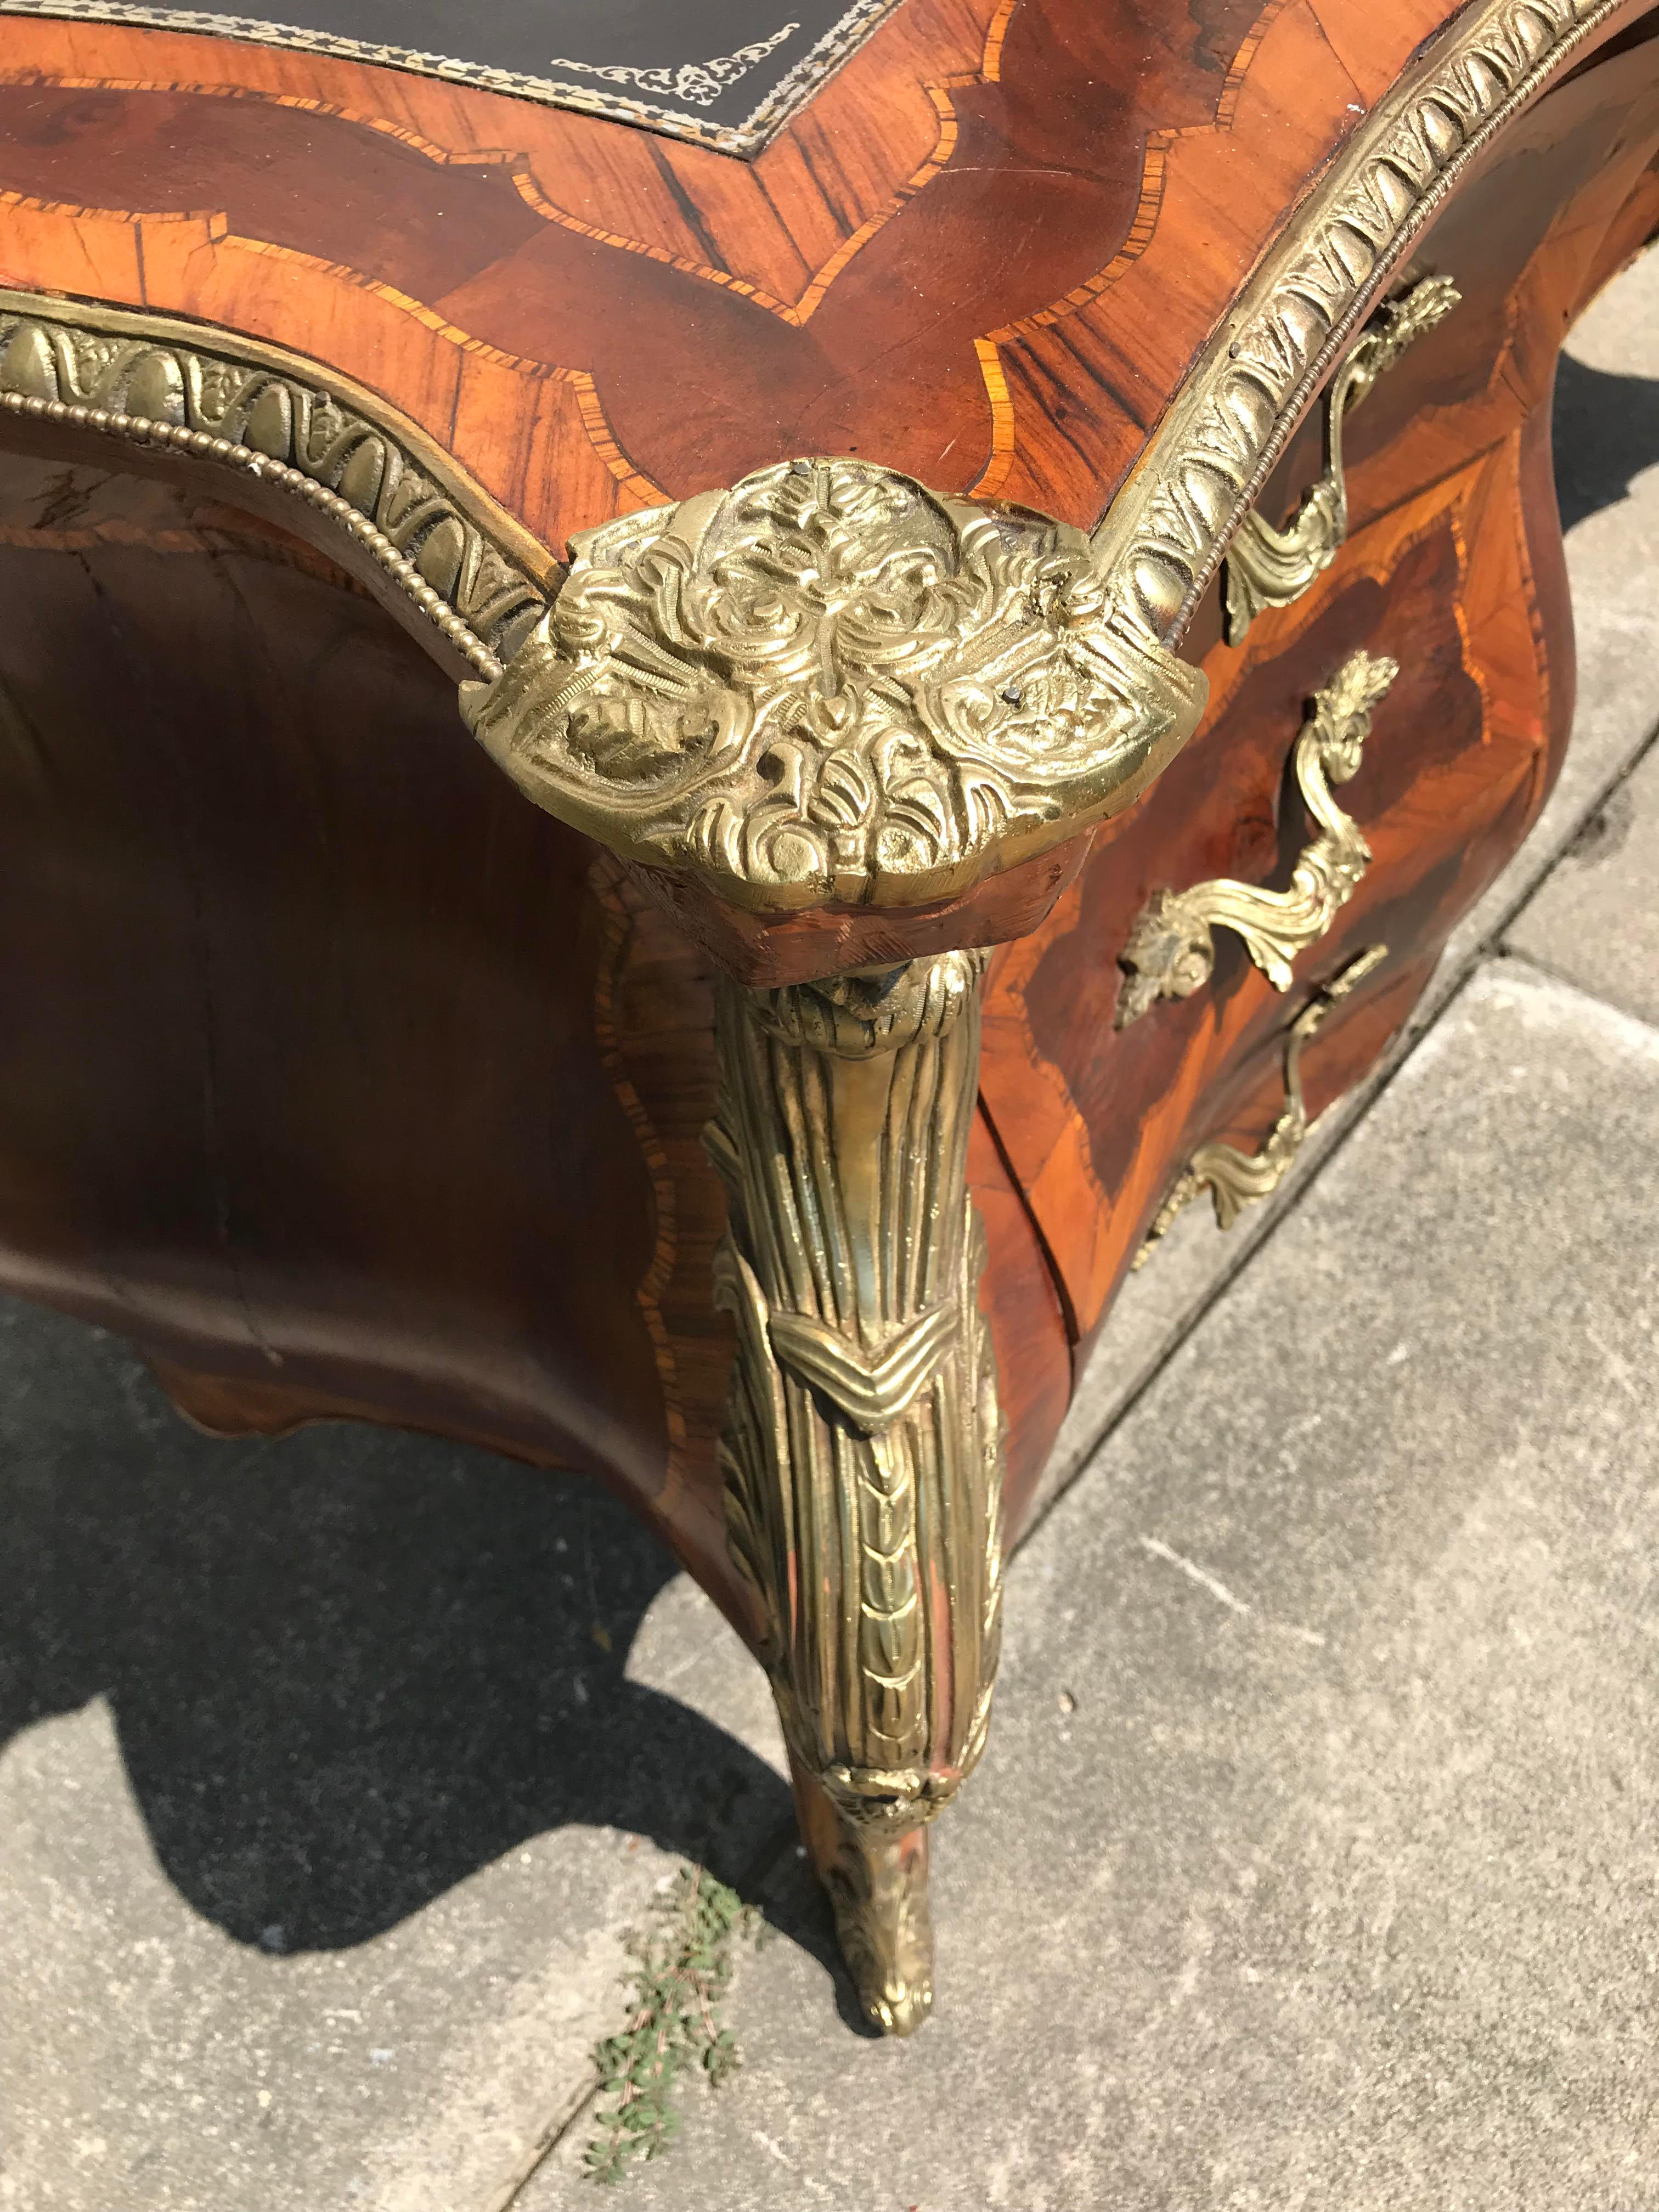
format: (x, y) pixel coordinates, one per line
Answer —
(1370, 759)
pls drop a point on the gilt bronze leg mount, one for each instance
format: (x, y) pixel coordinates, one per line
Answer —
(862, 1446)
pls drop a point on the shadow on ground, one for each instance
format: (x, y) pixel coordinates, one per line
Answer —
(348, 1668)
(1606, 433)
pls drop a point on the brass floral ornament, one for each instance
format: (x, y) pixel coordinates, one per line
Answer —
(827, 685)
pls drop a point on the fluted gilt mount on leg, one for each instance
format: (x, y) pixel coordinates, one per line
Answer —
(862, 1446)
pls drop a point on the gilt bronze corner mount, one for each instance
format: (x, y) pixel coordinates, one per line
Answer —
(829, 686)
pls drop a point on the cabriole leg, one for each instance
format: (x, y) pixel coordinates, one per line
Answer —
(862, 1446)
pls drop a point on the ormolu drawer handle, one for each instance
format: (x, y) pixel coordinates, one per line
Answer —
(1269, 567)
(1171, 951)
(1235, 1179)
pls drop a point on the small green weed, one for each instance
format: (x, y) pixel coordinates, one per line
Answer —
(683, 1971)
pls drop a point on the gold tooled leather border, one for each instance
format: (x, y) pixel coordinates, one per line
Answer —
(791, 93)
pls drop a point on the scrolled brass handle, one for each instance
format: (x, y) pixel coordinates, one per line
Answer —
(1235, 1179)
(1171, 949)
(1270, 568)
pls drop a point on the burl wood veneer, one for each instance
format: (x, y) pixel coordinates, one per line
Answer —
(1007, 552)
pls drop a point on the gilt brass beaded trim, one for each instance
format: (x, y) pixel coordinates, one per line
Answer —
(150, 381)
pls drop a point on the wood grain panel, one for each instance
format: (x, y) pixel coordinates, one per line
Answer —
(1096, 1122)
(987, 252)
(286, 1087)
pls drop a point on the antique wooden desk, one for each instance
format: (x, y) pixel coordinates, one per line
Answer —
(883, 886)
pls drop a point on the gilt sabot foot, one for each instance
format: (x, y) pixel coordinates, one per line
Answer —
(878, 1887)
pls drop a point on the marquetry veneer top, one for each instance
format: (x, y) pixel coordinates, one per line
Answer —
(985, 250)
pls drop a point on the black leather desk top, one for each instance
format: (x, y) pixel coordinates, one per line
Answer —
(723, 72)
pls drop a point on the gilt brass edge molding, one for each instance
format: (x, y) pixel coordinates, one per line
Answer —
(1171, 950)
(1168, 530)
(259, 410)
